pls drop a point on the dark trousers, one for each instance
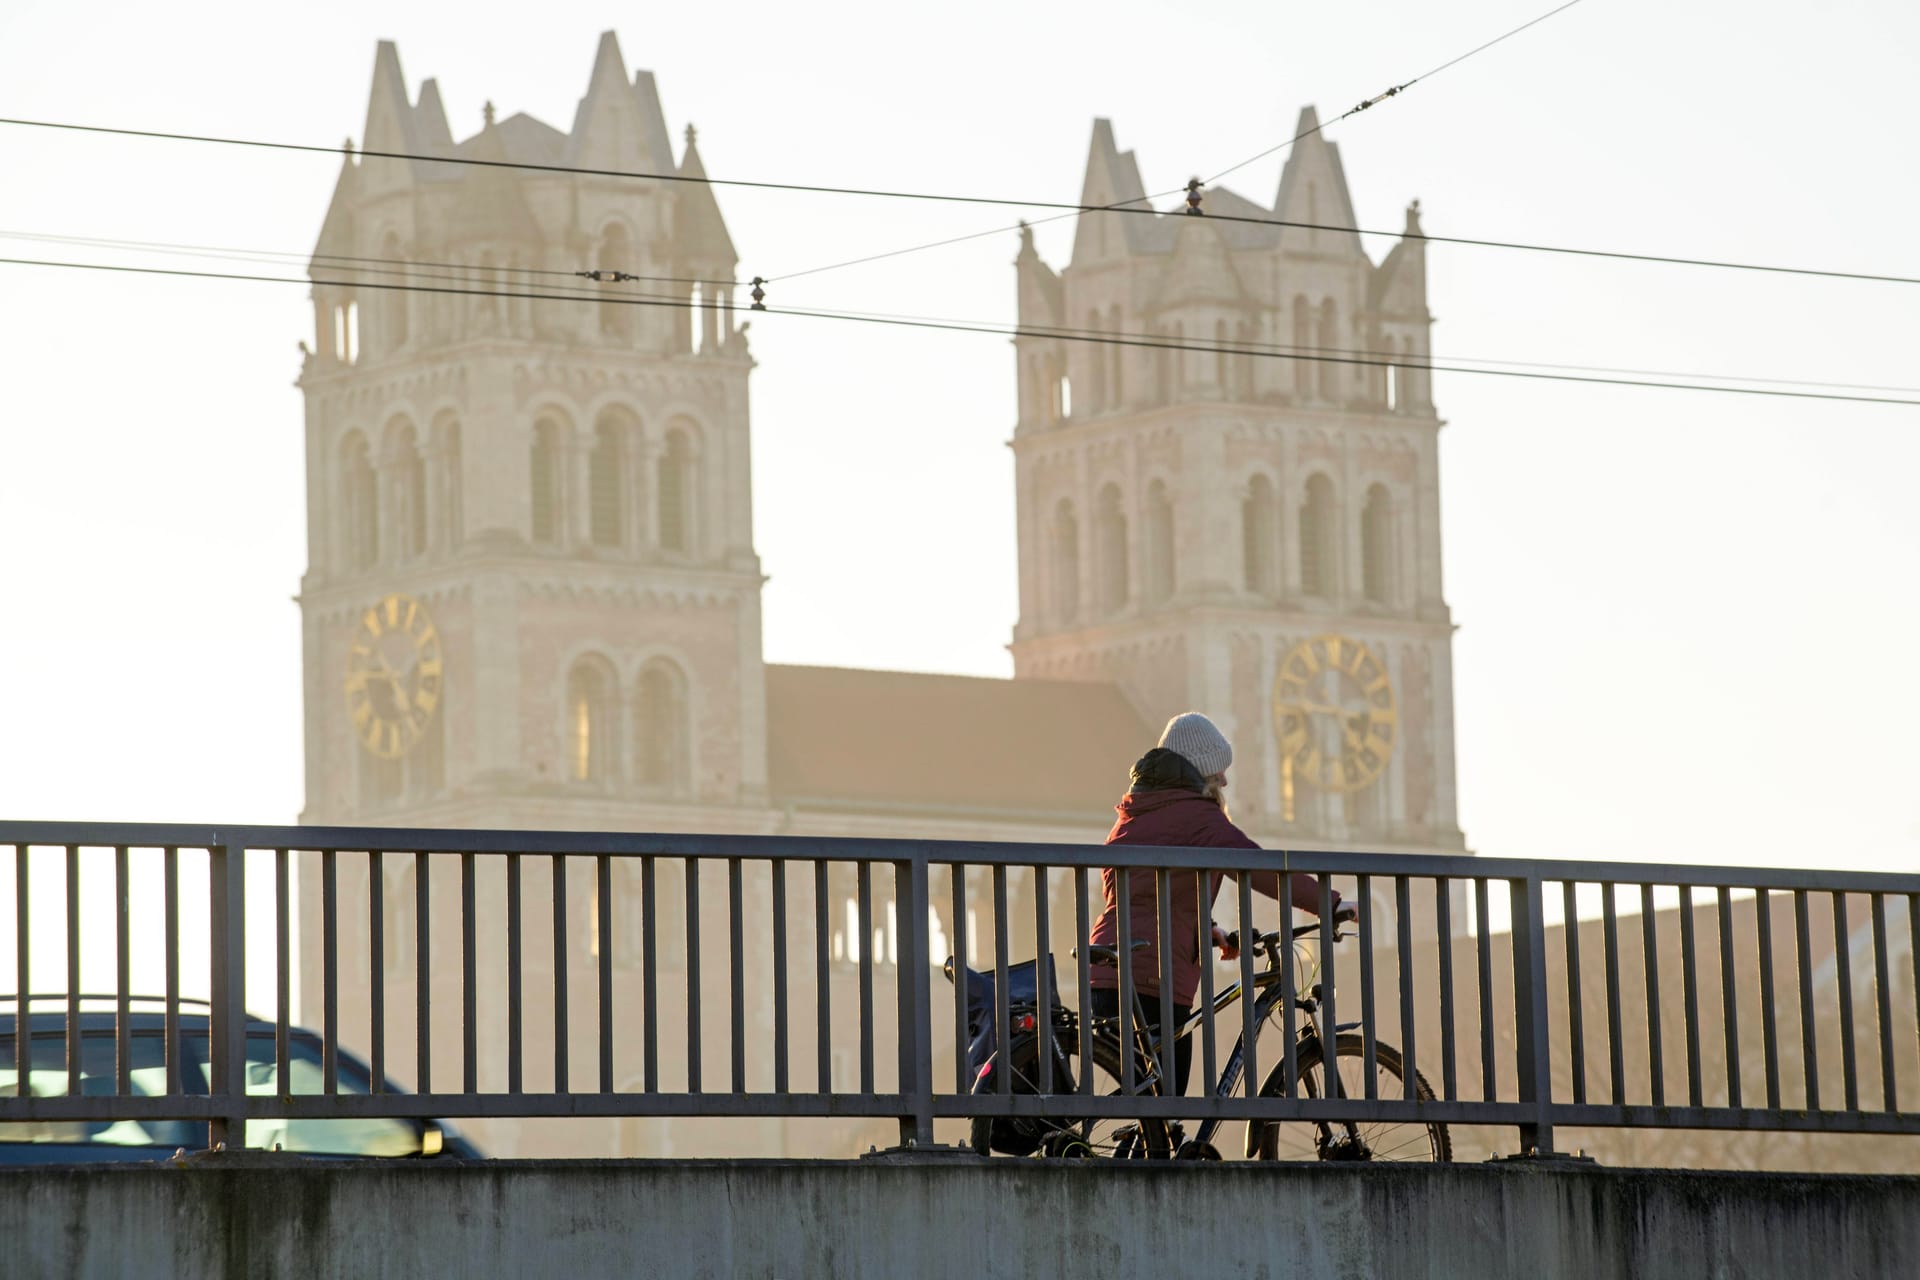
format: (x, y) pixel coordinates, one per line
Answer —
(1106, 1004)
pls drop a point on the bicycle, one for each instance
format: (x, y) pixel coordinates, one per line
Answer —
(1155, 1138)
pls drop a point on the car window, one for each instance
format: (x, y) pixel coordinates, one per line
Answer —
(373, 1136)
(47, 1077)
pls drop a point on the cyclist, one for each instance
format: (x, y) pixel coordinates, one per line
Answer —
(1177, 796)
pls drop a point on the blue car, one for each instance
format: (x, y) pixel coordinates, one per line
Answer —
(83, 1141)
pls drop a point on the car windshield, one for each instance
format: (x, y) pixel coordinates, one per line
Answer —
(47, 1077)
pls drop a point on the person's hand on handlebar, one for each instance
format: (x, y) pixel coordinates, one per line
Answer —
(1229, 943)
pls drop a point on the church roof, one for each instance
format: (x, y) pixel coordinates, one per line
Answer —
(899, 741)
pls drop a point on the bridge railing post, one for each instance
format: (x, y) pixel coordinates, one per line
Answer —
(1533, 1054)
(227, 964)
(913, 974)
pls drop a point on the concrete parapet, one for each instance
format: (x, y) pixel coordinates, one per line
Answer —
(261, 1216)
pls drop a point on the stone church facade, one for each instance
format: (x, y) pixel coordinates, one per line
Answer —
(533, 593)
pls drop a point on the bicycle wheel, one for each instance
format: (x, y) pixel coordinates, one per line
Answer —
(1363, 1140)
(1105, 1136)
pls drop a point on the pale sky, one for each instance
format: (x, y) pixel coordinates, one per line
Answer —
(1686, 620)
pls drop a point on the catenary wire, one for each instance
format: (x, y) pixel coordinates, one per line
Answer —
(958, 327)
(458, 272)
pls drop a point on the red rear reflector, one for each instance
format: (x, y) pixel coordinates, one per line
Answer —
(1023, 1023)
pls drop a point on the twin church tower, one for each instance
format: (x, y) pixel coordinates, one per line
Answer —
(533, 597)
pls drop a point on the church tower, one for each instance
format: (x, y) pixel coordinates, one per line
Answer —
(532, 597)
(1251, 529)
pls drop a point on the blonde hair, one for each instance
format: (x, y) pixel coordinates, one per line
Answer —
(1217, 792)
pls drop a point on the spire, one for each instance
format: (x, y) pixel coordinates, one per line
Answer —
(608, 131)
(1113, 177)
(1399, 284)
(704, 242)
(389, 122)
(1313, 189)
(430, 118)
(653, 123)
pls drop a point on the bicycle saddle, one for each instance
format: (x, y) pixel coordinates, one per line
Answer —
(1102, 955)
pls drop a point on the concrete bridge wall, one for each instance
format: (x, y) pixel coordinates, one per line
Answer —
(572, 1220)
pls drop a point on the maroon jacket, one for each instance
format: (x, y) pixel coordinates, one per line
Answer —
(1174, 816)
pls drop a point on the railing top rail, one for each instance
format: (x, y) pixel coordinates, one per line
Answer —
(981, 853)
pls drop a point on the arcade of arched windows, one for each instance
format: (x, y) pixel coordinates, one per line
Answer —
(617, 488)
(402, 503)
(631, 737)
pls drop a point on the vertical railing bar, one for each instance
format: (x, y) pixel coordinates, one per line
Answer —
(690, 876)
(1483, 962)
(1163, 932)
(1690, 994)
(283, 969)
(781, 1077)
(1610, 928)
(73, 972)
(913, 905)
(1203, 884)
(377, 967)
(1329, 1020)
(1769, 1030)
(1843, 976)
(1403, 920)
(1656, 1068)
(171, 875)
(1913, 956)
(863, 889)
(823, 981)
(329, 972)
(22, 951)
(515, 1076)
(649, 978)
(562, 1031)
(422, 971)
(1083, 932)
(227, 954)
(1443, 926)
(1043, 974)
(957, 887)
(1729, 1000)
(1002, 1017)
(1533, 1047)
(1809, 1042)
(469, 984)
(1576, 994)
(1883, 1001)
(1249, 996)
(1126, 1033)
(123, 979)
(737, 947)
(1289, 991)
(1368, 1054)
(603, 921)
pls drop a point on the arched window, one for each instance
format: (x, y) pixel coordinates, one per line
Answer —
(1110, 544)
(590, 722)
(1220, 379)
(662, 738)
(606, 482)
(1329, 342)
(1159, 562)
(1376, 546)
(362, 503)
(1318, 539)
(1114, 358)
(409, 489)
(1066, 562)
(545, 473)
(395, 302)
(616, 254)
(675, 503)
(452, 482)
(1258, 529)
(1302, 344)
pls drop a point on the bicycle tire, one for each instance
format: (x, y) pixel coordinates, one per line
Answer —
(1102, 1134)
(1384, 1141)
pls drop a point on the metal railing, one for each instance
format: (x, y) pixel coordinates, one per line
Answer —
(559, 974)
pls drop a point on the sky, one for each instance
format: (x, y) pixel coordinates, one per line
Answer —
(1686, 620)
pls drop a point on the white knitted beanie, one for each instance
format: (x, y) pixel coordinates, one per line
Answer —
(1195, 737)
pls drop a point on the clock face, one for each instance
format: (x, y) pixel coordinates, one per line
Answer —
(393, 675)
(1334, 713)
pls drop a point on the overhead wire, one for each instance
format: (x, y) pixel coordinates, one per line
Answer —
(1369, 361)
(466, 272)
